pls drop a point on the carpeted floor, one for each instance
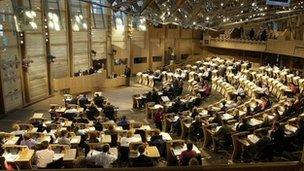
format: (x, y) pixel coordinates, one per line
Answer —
(120, 97)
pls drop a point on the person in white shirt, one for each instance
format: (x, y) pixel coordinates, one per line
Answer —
(63, 139)
(240, 92)
(44, 156)
(125, 141)
(102, 159)
(16, 130)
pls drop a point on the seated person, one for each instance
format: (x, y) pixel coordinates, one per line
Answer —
(28, 141)
(243, 125)
(265, 103)
(236, 114)
(16, 130)
(216, 119)
(110, 130)
(154, 96)
(44, 156)
(265, 90)
(142, 160)
(48, 132)
(109, 112)
(194, 112)
(98, 100)
(83, 101)
(224, 106)
(63, 139)
(92, 112)
(187, 155)
(70, 113)
(294, 88)
(206, 90)
(258, 150)
(224, 135)
(240, 92)
(239, 101)
(124, 123)
(248, 110)
(156, 136)
(277, 136)
(125, 141)
(196, 132)
(103, 159)
(176, 126)
(98, 124)
(81, 119)
(93, 138)
(298, 104)
(53, 112)
(257, 108)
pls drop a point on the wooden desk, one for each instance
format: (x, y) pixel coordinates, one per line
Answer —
(152, 152)
(69, 155)
(12, 141)
(106, 139)
(87, 83)
(23, 159)
(37, 116)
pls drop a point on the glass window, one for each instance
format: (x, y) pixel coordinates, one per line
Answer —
(79, 15)
(184, 56)
(157, 58)
(55, 15)
(98, 14)
(118, 20)
(139, 60)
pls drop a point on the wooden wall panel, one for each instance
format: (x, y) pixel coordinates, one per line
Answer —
(173, 33)
(99, 42)
(59, 48)
(118, 38)
(35, 44)
(138, 38)
(185, 46)
(11, 78)
(80, 36)
(186, 33)
(81, 62)
(37, 72)
(80, 51)
(155, 33)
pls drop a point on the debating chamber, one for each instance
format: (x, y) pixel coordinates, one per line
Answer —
(159, 85)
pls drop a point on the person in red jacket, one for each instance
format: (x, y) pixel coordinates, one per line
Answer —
(158, 117)
(187, 155)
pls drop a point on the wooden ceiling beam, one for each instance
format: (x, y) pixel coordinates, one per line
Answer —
(148, 3)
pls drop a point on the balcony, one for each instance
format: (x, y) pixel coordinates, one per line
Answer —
(283, 47)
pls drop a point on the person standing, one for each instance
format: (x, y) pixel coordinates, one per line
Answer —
(128, 75)
(251, 34)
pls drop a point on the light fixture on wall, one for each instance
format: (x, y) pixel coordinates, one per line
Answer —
(26, 63)
(53, 21)
(51, 57)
